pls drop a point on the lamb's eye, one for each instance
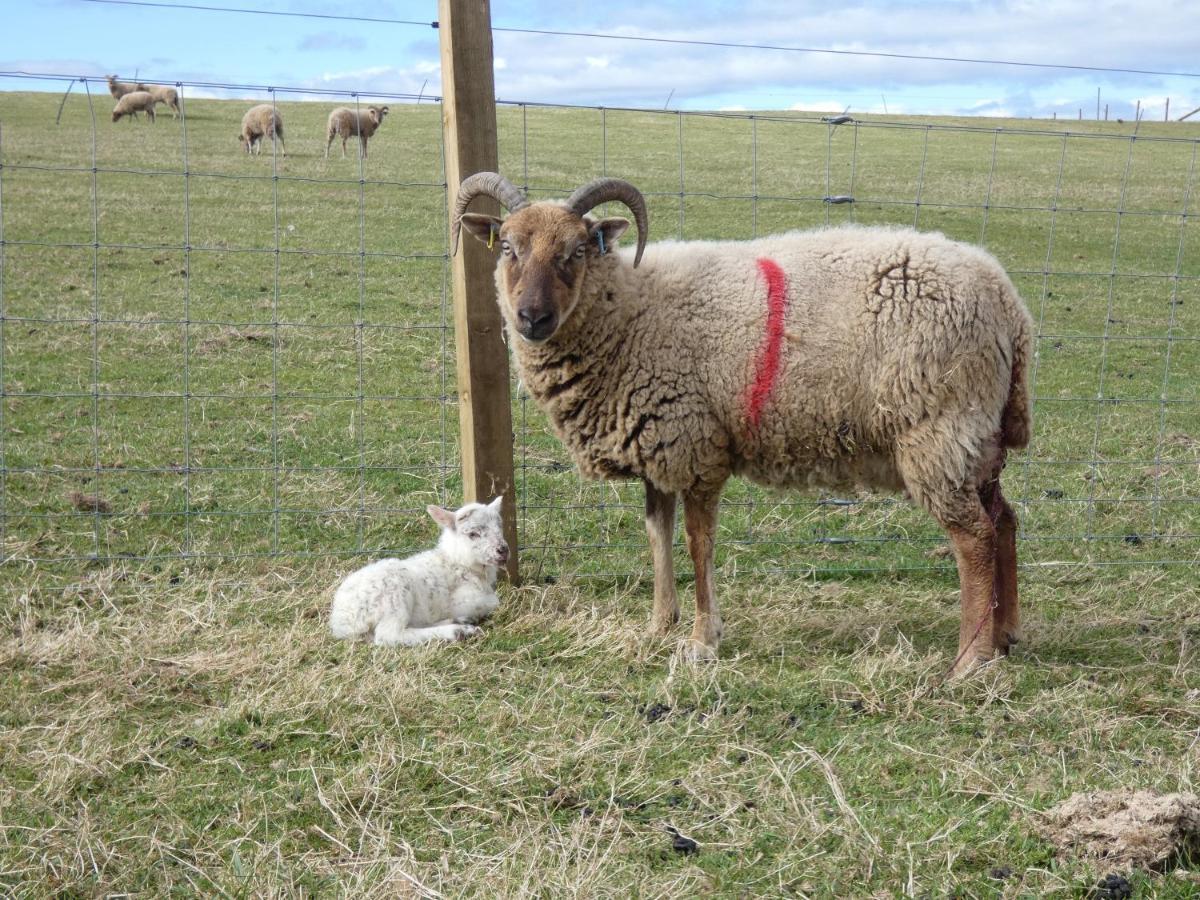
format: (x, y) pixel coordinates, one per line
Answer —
(473, 533)
(506, 248)
(580, 251)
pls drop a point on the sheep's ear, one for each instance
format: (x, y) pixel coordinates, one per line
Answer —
(484, 227)
(610, 229)
(494, 506)
(444, 517)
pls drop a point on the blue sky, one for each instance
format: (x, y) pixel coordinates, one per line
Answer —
(78, 38)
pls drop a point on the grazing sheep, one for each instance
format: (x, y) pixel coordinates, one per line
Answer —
(134, 103)
(259, 122)
(434, 595)
(346, 122)
(163, 94)
(120, 88)
(875, 356)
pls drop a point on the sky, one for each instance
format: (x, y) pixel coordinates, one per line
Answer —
(75, 37)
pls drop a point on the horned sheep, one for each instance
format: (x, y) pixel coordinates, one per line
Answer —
(261, 122)
(438, 594)
(133, 103)
(345, 123)
(880, 357)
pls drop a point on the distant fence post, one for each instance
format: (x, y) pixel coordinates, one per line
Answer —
(469, 128)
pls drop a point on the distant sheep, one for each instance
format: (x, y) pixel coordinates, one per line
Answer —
(163, 94)
(436, 595)
(134, 103)
(260, 122)
(120, 88)
(345, 123)
(874, 356)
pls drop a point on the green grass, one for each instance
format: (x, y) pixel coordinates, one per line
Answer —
(183, 726)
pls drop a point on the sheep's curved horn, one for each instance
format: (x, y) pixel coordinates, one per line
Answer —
(489, 184)
(591, 195)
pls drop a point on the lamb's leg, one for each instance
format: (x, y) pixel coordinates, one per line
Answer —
(391, 632)
(1008, 612)
(700, 520)
(660, 529)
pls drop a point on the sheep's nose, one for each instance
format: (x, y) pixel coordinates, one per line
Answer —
(536, 323)
(503, 553)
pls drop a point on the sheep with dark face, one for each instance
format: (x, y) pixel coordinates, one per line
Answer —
(345, 123)
(881, 357)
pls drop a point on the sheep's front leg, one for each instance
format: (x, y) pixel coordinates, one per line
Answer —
(660, 529)
(700, 520)
(391, 632)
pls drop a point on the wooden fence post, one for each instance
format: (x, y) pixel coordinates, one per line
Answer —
(469, 130)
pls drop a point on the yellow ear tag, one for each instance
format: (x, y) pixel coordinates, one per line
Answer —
(491, 236)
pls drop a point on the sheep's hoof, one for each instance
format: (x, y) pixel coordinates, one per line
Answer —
(695, 651)
(968, 664)
(466, 631)
(661, 624)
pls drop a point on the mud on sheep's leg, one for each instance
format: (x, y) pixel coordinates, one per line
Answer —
(700, 519)
(660, 529)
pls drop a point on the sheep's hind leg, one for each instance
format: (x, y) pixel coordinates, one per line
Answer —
(974, 540)
(700, 520)
(1008, 614)
(660, 529)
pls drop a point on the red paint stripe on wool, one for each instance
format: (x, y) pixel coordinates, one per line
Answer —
(770, 354)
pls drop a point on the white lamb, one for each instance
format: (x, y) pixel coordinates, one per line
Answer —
(435, 595)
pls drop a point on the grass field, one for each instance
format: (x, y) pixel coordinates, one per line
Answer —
(200, 435)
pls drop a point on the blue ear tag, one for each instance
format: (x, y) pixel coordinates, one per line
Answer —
(600, 240)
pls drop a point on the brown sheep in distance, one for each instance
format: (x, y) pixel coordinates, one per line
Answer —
(345, 123)
(882, 357)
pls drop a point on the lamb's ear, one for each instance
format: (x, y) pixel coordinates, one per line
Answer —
(485, 228)
(444, 517)
(494, 506)
(610, 231)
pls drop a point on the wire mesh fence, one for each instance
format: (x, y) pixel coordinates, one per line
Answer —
(209, 354)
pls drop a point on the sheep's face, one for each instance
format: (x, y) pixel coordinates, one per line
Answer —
(474, 534)
(377, 113)
(544, 251)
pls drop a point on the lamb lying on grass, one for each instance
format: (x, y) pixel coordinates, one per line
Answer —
(435, 595)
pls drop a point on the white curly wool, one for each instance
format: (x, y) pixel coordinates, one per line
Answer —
(435, 595)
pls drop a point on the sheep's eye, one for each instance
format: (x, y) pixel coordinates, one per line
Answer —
(580, 251)
(473, 533)
(506, 248)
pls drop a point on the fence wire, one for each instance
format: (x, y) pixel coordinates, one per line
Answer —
(205, 354)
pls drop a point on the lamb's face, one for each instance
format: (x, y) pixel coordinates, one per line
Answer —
(543, 255)
(473, 535)
(377, 113)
